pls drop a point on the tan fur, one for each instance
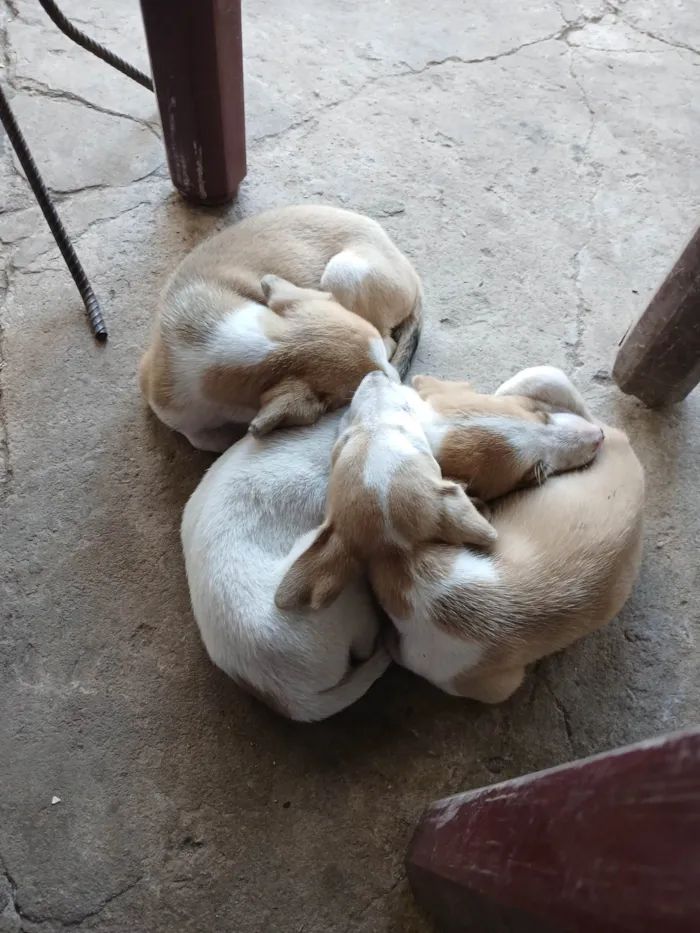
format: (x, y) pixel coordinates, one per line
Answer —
(320, 316)
(569, 553)
(479, 457)
(560, 561)
(296, 243)
(421, 507)
(322, 348)
(155, 375)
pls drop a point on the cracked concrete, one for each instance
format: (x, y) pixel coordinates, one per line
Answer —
(539, 163)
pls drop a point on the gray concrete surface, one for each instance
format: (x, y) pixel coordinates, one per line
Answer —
(539, 163)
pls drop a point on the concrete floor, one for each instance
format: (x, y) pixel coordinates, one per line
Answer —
(539, 163)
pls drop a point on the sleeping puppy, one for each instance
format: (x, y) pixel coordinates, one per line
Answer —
(242, 529)
(526, 431)
(276, 320)
(560, 560)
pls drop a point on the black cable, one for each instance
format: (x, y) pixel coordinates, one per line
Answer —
(66, 27)
(19, 144)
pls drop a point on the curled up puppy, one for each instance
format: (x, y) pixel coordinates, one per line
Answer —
(557, 561)
(276, 320)
(242, 529)
(535, 425)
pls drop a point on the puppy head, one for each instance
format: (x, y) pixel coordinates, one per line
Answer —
(501, 442)
(336, 348)
(385, 496)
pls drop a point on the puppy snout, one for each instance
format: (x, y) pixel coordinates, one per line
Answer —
(593, 436)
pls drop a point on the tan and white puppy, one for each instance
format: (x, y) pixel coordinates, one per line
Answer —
(529, 429)
(276, 320)
(242, 528)
(561, 562)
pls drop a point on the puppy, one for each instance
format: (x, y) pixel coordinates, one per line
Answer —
(242, 529)
(561, 561)
(276, 320)
(531, 428)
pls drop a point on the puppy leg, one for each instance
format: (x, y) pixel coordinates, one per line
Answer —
(494, 687)
(216, 440)
(384, 291)
(549, 385)
(292, 402)
(482, 507)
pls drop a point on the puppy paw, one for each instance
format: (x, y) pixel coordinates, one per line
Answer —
(483, 508)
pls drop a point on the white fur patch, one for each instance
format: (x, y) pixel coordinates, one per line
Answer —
(240, 338)
(378, 355)
(388, 450)
(471, 568)
(346, 272)
(434, 654)
(428, 650)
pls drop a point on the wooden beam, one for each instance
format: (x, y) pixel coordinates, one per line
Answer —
(609, 844)
(659, 359)
(196, 53)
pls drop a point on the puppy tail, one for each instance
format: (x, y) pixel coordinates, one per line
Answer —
(407, 334)
(351, 687)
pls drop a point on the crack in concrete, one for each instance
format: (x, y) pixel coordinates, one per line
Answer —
(582, 308)
(11, 906)
(359, 914)
(29, 917)
(569, 28)
(674, 44)
(5, 462)
(75, 237)
(563, 712)
(33, 88)
(9, 273)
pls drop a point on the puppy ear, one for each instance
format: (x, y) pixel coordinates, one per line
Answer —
(318, 576)
(280, 294)
(460, 520)
(290, 403)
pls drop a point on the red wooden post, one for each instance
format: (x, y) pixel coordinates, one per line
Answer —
(659, 360)
(609, 844)
(196, 53)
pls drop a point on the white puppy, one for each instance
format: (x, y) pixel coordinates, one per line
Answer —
(242, 528)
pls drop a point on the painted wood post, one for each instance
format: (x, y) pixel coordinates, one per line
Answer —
(609, 844)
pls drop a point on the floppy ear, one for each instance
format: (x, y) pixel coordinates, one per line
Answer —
(291, 402)
(318, 576)
(460, 520)
(280, 294)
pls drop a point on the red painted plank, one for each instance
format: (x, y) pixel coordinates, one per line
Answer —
(610, 844)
